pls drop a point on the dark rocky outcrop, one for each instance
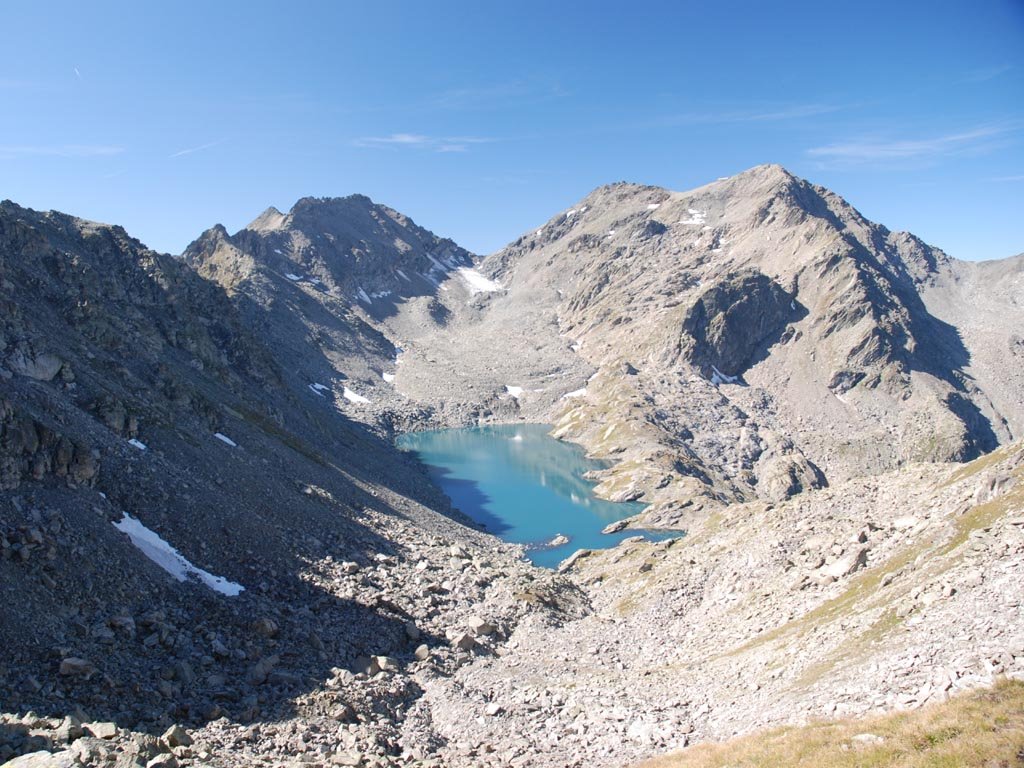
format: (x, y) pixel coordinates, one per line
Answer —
(733, 320)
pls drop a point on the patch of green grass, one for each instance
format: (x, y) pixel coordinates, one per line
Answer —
(852, 647)
(985, 515)
(980, 464)
(982, 728)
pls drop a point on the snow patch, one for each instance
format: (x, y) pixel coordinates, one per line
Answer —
(388, 377)
(225, 439)
(575, 393)
(293, 277)
(362, 295)
(516, 392)
(278, 251)
(402, 275)
(138, 444)
(717, 377)
(477, 282)
(653, 206)
(168, 558)
(353, 397)
(437, 263)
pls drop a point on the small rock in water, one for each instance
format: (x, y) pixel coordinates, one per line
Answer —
(618, 525)
(559, 540)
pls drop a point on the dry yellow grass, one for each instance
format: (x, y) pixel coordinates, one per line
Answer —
(983, 729)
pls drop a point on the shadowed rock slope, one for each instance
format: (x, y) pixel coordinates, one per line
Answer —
(130, 385)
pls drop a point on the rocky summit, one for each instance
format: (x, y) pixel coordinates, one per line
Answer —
(213, 554)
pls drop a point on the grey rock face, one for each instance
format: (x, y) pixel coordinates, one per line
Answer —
(732, 320)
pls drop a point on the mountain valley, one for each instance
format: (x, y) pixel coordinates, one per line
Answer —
(832, 413)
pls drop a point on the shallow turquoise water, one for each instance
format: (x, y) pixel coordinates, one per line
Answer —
(524, 485)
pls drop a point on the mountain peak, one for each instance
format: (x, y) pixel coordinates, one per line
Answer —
(270, 220)
(311, 204)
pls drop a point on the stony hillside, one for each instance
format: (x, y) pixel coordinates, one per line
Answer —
(187, 534)
(876, 594)
(211, 553)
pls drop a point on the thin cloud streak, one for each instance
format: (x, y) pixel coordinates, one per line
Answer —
(193, 150)
(442, 144)
(11, 83)
(861, 151)
(59, 150)
(983, 75)
(795, 112)
(495, 96)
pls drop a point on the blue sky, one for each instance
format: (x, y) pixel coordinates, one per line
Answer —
(481, 120)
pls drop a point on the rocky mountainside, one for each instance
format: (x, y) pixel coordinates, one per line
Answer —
(274, 546)
(317, 283)
(749, 339)
(212, 554)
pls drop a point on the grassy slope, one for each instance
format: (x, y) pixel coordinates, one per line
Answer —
(982, 728)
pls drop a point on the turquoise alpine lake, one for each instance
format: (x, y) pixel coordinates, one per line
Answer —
(524, 486)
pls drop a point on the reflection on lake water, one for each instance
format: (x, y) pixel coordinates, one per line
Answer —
(524, 485)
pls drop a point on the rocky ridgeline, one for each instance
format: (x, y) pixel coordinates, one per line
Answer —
(760, 364)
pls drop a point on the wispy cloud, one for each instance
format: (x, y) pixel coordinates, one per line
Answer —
(10, 82)
(77, 73)
(882, 150)
(1017, 177)
(58, 150)
(496, 95)
(193, 150)
(986, 73)
(765, 115)
(421, 142)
